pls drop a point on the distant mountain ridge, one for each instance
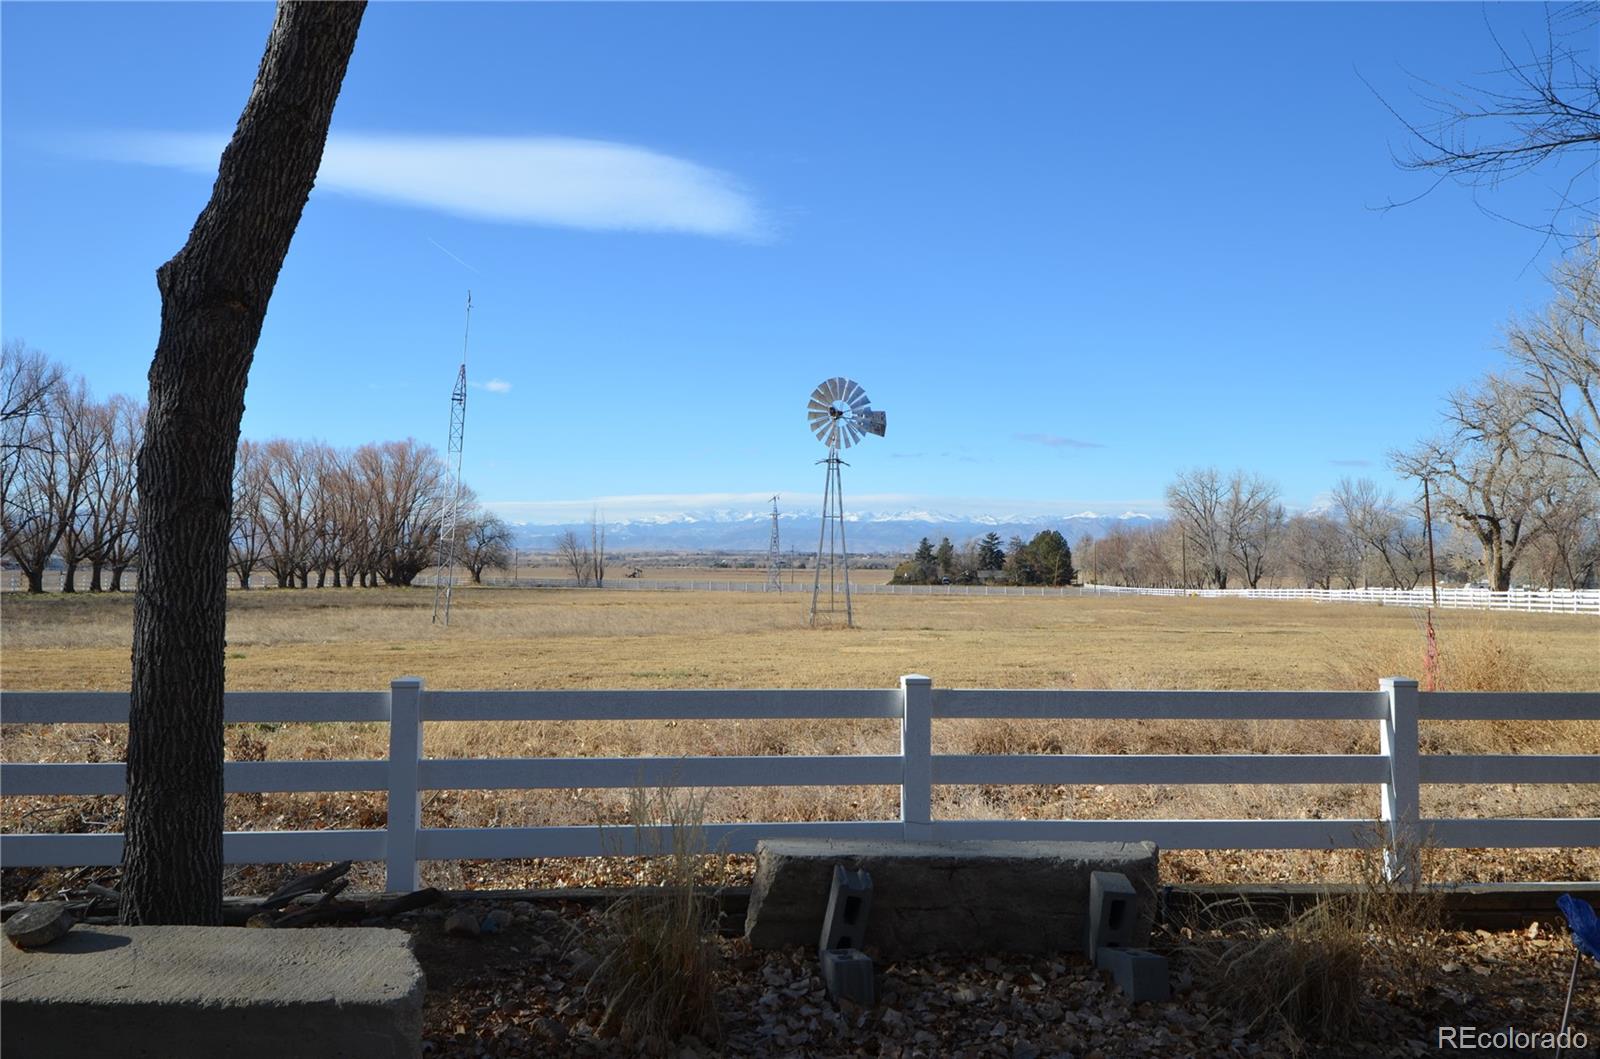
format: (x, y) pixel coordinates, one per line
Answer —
(725, 529)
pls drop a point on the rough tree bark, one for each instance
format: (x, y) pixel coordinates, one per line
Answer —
(214, 296)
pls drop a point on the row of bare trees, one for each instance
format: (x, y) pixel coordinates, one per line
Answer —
(1517, 464)
(304, 513)
(1513, 478)
(66, 473)
(586, 560)
(1231, 530)
(308, 514)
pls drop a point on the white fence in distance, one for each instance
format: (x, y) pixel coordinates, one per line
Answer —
(1543, 601)
(1398, 770)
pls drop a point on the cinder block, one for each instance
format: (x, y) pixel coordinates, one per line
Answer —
(844, 924)
(957, 897)
(1139, 973)
(848, 974)
(1113, 913)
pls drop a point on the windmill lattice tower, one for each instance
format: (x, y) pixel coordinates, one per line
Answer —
(774, 560)
(444, 584)
(839, 413)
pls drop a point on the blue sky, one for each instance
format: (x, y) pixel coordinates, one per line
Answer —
(1069, 249)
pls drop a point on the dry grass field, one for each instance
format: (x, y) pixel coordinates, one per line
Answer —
(504, 638)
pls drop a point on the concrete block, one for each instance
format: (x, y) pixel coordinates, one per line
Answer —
(946, 896)
(1113, 912)
(848, 975)
(202, 992)
(1140, 974)
(844, 924)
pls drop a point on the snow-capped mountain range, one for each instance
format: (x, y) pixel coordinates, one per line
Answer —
(725, 529)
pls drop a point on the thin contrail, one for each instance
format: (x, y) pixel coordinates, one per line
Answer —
(453, 257)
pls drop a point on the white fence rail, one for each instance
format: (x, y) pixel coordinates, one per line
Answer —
(1546, 601)
(1397, 771)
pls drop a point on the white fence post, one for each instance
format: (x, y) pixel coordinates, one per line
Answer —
(1401, 807)
(405, 803)
(916, 758)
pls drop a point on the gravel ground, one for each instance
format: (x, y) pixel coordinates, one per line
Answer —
(519, 992)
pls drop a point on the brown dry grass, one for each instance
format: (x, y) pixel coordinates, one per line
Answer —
(360, 639)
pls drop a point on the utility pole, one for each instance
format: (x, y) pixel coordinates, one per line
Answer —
(1427, 518)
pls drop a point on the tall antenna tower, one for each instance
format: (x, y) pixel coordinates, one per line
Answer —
(446, 581)
(774, 556)
(839, 414)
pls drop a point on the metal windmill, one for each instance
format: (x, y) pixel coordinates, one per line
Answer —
(774, 555)
(839, 414)
(446, 580)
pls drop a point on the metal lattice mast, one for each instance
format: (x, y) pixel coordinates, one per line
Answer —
(445, 583)
(839, 415)
(774, 560)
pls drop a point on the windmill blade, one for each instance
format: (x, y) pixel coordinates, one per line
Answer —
(852, 390)
(861, 403)
(852, 431)
(836, 386)
(816, 407)
(820, 427)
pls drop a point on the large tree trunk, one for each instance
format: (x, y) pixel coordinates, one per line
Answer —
(214, 296)
(69, 579)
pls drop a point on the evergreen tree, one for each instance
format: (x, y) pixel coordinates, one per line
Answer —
(990, 555)
(1051, 558)
(946, 557)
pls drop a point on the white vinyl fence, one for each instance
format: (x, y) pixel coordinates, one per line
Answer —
(1545, 601)
(1397, 772)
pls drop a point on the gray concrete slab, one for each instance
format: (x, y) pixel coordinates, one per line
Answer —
(182, 992)
(946, 896)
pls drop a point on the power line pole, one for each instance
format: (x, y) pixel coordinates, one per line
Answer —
(445, 583)
(774, 554)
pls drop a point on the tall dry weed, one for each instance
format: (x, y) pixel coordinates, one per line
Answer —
(657, 957)
(1308, 975)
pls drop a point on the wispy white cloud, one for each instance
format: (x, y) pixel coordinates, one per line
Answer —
(1055, 441)
(492, 385)
(546, 180)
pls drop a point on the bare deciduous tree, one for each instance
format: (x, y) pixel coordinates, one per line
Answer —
(485, 542)
(1382, 532)
(1198, 502)
(1567, 552)
(1318, 549)
(1228, 523)
(248, 542)
(1486, 476)
(1536, 112)
(573, 552)
(597, 548)
(1557, 354)
(44, 465)
(214, 297)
